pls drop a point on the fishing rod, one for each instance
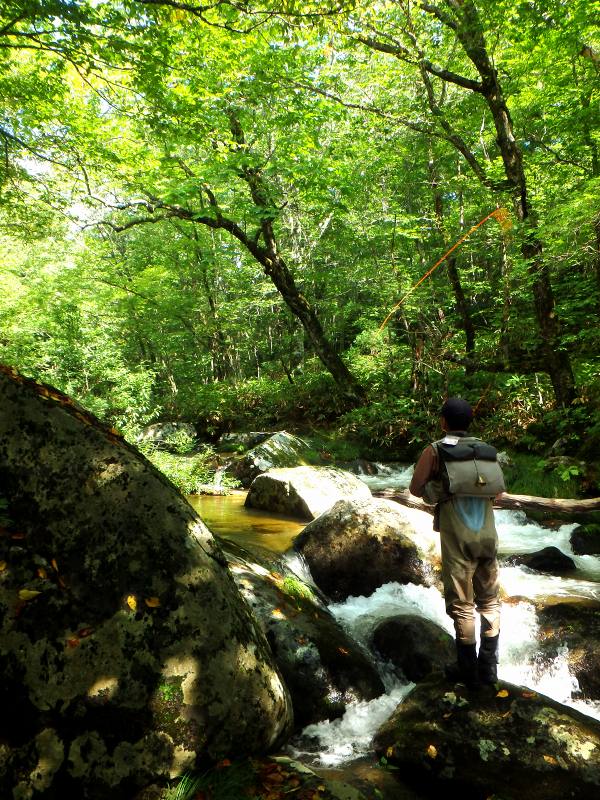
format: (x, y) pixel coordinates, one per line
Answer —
(502, 217)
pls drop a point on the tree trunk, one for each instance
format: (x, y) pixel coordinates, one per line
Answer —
(278, 271)
(462, 306)
(470, 33)
(283, 279)
(524, 502)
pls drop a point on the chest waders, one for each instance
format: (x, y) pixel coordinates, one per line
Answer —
(468, 468)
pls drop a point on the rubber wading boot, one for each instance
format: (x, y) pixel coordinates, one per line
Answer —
(487, 661)
(465, 669)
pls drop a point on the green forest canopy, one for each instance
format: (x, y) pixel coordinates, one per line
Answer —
(208, 209)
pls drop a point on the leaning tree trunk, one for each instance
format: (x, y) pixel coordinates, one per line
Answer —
(126, 650)
(278, 271)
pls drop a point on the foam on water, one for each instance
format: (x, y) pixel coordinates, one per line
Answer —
(517, 535)
(524, 582)
(342, 740)
(388, 477)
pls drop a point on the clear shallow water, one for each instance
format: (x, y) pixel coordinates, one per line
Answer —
(227, 516)
(343, 740)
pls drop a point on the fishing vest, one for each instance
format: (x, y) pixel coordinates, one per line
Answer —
(468, 467)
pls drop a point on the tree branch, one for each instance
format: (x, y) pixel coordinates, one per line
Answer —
(441, 15)
(453, 77)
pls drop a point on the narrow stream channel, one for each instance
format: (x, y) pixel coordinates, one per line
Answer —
(346, 739)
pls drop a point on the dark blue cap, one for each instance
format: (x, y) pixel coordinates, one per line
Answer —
(457, 413)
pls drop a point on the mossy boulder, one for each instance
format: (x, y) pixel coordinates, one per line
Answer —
(279, 450)
(323, 667)
(585, 539)
(126, 650)
(304, 492)
(359, 545)
(506, 742)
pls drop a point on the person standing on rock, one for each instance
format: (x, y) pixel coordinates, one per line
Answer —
(461, 476)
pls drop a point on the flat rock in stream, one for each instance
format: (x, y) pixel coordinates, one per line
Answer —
(304, 492)
(359, 545)
(510, 743)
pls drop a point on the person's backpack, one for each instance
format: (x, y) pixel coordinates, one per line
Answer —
(468, 467)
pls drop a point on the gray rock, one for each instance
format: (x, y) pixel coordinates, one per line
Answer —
(282, 449)
(415, 645)
(304, 492)
(126, 650)
(359, 545)
(505, 460)
(164, 435)
(511, 743)
(323, 667)
(245, 439)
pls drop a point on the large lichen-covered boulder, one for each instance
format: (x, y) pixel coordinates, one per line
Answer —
(282, 449)
(323, 667)
(573, 630)
(510, 743)
(417, 646)
(359, 545)
(304, 492)
(127, 653)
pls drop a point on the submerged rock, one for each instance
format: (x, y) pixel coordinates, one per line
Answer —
(126, 650)
(282, 449)
(510, 743)
(549, 559)
(358, 545)
(414, 644)
(304, 492)
(323, 667)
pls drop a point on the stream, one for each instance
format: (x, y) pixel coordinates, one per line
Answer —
(345, 740)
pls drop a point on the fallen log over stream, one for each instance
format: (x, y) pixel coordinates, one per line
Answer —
(522, 502)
